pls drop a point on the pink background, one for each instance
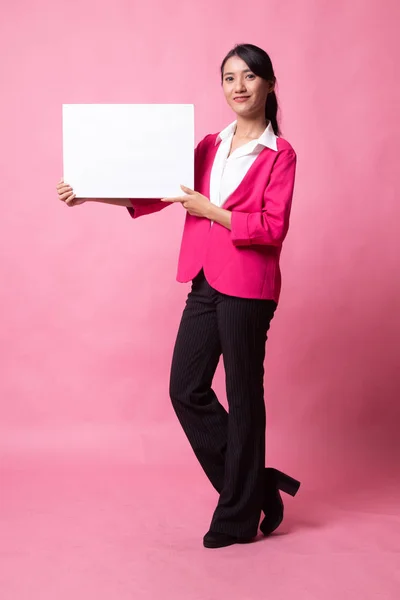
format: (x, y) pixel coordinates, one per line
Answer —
(90, 306)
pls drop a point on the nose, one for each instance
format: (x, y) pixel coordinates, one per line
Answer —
(240, 87)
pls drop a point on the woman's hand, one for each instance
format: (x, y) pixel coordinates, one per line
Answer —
(66, 194)
(195, 203)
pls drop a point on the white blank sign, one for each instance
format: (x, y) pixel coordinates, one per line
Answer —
(128, 150)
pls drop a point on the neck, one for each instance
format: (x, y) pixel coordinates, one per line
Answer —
(250, 127)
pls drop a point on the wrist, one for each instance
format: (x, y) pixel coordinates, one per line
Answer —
(211, 211)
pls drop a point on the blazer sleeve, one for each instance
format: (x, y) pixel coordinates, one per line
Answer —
(269, 226)
(145, 206)
(148, 206)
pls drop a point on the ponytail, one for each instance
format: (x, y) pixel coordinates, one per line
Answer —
(271, 111)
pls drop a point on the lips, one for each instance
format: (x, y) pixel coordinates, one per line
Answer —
(241, 98)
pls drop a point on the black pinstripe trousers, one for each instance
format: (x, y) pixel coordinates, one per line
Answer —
(229, 446)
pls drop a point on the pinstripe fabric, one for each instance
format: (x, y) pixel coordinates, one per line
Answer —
(230, 448)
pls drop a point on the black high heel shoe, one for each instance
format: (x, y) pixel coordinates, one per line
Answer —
(214, 539)
(273, 506)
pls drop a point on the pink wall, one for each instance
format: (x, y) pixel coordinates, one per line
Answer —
(89, 301)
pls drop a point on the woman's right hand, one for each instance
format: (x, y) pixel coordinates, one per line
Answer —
(66, 194)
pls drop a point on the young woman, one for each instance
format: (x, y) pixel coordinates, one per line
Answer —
(236, 221)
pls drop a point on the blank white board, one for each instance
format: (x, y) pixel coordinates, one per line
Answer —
(128, 150)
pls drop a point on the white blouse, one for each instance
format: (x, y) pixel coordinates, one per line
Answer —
(228, 172)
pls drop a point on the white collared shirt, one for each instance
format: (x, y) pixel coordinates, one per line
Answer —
(228, 172)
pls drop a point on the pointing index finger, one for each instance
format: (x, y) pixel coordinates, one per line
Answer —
(178, 199)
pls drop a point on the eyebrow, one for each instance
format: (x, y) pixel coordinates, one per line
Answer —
(244, 71)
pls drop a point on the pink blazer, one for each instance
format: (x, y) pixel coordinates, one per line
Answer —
(243, 261)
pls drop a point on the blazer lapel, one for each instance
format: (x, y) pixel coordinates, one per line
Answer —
(208, 163)
(247, 180)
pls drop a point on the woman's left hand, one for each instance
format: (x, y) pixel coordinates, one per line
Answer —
(195, 203)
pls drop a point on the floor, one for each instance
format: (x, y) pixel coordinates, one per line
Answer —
(108, 531)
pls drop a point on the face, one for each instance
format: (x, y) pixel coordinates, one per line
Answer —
(245, 92)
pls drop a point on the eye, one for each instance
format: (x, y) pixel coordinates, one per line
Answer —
(251, 75)
(228, 78)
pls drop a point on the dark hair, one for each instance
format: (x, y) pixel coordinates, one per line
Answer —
(260, 63)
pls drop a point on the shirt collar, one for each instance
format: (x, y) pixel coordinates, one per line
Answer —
(267, 138)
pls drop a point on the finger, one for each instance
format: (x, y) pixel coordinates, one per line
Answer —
(65, 195)
(187, 190)
(177, 199)
(70, 200)
(63, 188)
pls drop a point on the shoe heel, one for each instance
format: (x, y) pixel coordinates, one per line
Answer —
(285, 483)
